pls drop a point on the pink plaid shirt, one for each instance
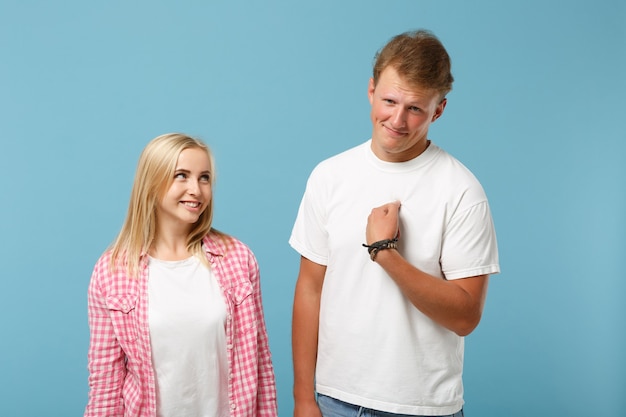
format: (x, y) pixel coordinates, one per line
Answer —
(121, 377)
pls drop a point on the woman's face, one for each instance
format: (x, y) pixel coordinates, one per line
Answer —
(190, 192)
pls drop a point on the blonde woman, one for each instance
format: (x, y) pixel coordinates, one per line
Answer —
(175, 313)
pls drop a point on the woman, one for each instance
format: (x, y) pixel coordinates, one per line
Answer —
(175, 313)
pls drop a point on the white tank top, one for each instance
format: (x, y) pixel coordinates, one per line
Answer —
(187, 316)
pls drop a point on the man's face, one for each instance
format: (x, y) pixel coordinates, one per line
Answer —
(401, 115)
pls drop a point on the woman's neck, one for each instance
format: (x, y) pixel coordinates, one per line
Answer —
(170, 247)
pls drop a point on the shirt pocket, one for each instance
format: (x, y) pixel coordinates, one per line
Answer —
(242, 293)
(122, 309)
(244, 308)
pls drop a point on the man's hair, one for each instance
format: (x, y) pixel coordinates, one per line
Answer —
(419, 57)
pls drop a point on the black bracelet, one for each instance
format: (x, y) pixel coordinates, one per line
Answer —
(381, 245)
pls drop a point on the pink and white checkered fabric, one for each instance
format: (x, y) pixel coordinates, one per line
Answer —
(121, 378)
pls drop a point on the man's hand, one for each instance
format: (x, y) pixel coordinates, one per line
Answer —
(382, 223)
(306, 409)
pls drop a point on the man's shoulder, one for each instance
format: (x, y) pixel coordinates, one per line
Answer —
(340, 160)
(448, 162)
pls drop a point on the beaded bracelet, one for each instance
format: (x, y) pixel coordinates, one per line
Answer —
(375, 247)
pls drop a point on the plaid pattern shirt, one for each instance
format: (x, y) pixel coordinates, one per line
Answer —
(121, 377)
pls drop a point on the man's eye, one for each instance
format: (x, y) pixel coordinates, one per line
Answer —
(414, 109)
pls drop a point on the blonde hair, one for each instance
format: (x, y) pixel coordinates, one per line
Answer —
(154, 176)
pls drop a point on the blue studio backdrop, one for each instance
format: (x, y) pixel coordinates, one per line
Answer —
(537, 113)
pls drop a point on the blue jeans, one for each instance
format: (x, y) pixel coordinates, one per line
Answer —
(331, 407)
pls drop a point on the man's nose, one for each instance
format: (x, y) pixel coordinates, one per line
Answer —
(398, 118)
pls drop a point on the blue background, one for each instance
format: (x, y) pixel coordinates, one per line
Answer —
(537, 113)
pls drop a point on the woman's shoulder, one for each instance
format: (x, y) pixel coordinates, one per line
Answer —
(104, 261)
(222, 243)
(109, 276)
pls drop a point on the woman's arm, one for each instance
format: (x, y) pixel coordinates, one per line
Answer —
(266, 398)
(105, 358)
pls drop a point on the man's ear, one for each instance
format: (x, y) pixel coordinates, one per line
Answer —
(370, 90)
(439, 110)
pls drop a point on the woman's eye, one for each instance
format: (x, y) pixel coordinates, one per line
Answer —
(180, 175)
(205, 178)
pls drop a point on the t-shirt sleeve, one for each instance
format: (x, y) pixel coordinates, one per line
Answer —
(309, 236)
(469, 245)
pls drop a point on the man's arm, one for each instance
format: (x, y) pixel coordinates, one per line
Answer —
(305, 325)
(456, 305)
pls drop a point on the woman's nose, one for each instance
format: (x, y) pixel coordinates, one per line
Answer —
(193, 188)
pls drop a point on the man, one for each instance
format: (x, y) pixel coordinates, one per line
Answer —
(379, 330)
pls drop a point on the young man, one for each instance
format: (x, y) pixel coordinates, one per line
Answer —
(380, 329)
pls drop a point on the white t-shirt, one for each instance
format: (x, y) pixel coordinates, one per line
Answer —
(186, 315)
(375, 348)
